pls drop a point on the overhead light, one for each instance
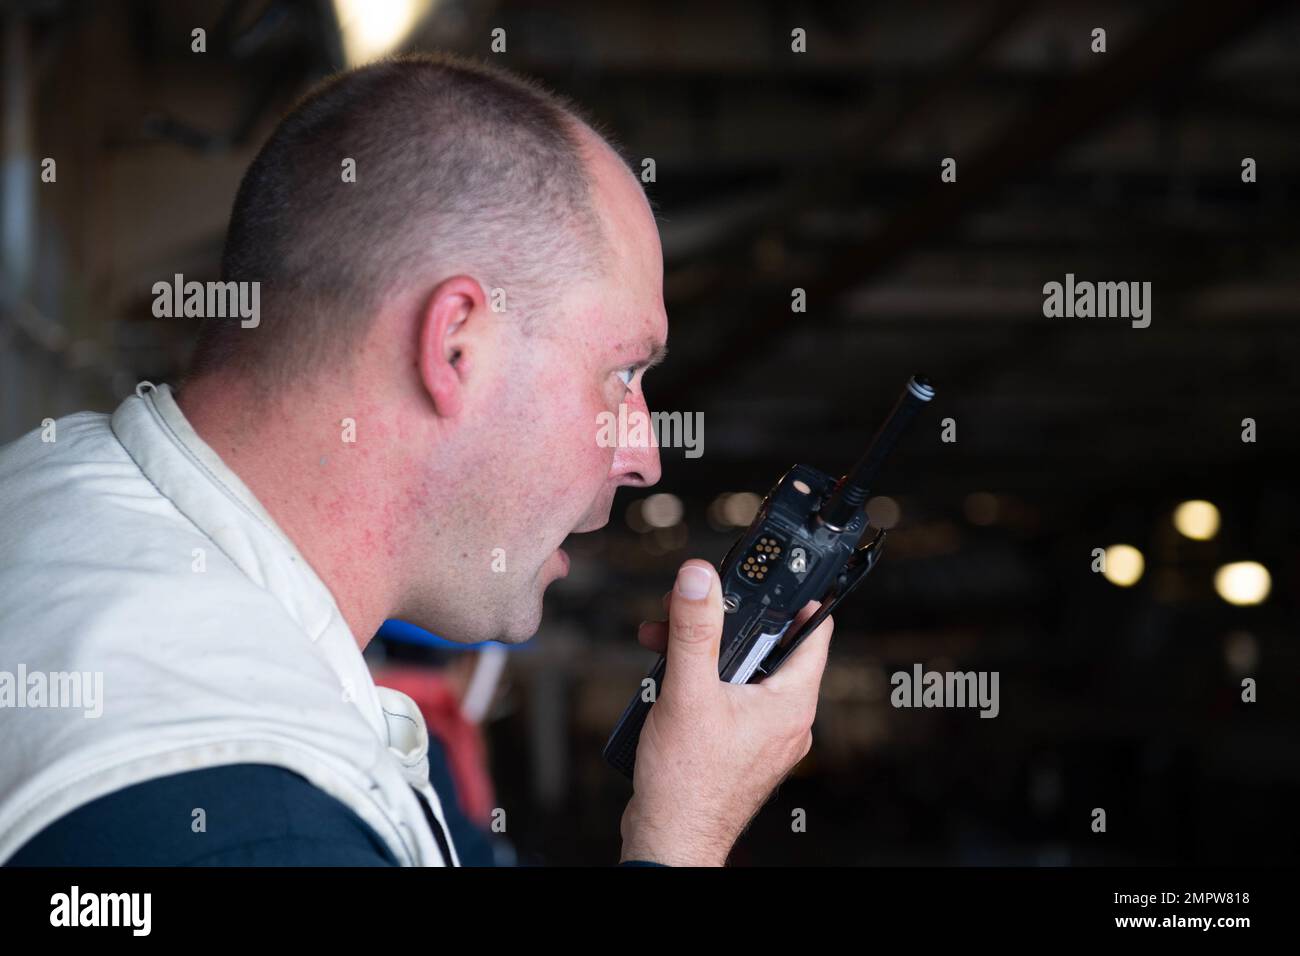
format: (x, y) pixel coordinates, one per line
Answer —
(716, 513)
(1124, 565)
(1241, 651)
(1243, 582)
(662, 510)
(636, 517)
(740, 508)
(883, 512)
(374, 28)
(1198, 520)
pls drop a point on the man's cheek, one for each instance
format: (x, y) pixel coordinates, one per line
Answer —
(586, 467)
(573, 478)
(599, 459)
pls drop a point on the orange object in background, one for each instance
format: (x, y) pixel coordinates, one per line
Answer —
(461, 739)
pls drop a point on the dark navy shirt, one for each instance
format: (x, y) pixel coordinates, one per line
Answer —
(253, 815)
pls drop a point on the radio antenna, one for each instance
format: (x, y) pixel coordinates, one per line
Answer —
(848, 496)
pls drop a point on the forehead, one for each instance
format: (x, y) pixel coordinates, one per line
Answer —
(621, 314)
(626, 306)
(611, 326)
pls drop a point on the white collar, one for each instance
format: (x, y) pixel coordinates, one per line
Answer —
(185, 469)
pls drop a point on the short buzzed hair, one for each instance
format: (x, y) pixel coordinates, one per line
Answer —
(458, 166)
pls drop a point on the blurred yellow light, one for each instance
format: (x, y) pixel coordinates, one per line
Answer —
(1241, 651)
(740, 508)
(883, 512)
(717, 513)
(1124, 565)
(1243, 582)
(635, 516)
(373, 28)
(662, 510)
(1198, 520)
(981, 508)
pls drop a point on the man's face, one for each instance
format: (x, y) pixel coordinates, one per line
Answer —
(542, 470)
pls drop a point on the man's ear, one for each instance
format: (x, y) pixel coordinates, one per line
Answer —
(445, 333)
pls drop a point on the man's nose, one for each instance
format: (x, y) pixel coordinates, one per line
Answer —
(637, 463)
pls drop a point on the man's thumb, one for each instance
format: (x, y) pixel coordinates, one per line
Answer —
(694, 626)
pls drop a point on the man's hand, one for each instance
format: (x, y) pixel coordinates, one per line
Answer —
(711, 753)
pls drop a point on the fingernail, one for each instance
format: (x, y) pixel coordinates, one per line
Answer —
(693, 582)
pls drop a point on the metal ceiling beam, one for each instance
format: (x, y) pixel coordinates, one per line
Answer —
(1174, 42)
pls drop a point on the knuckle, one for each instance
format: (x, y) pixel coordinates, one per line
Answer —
(692, 631)
(797, 726)
(801, 713)
(796, 747)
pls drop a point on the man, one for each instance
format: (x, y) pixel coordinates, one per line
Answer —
(408, 431)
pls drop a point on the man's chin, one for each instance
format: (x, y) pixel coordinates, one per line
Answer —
(526, 625)
(521, 622)
(514, 638)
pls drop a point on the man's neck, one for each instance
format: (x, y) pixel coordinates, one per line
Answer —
(320, 488)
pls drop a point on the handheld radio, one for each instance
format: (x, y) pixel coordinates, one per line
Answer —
(808, 542)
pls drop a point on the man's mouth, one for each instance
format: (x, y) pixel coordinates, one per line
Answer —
(585, 528)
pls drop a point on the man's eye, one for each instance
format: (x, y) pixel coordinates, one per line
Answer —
(630, 373)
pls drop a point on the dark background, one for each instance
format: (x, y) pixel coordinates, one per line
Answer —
(778, 170)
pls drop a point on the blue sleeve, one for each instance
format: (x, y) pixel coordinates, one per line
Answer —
(252, 815)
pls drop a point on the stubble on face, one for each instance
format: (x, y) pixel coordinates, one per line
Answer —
(533, 471)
